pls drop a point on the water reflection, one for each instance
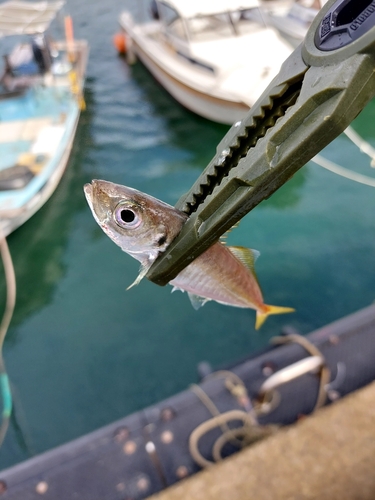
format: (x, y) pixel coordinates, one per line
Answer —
(186, 130)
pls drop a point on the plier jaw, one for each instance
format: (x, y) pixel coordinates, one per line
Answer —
(320, 89)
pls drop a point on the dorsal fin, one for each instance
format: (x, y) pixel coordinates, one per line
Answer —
(247, 256)
(223, 237)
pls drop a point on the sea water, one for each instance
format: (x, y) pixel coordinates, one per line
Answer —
(82, 351)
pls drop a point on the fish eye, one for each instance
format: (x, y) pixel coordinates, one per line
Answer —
(126, 216)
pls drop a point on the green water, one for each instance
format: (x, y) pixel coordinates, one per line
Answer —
(82, 351)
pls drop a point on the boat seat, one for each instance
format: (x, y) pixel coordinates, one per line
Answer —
(15, 177)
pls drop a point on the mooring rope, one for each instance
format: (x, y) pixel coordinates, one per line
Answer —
(342, 171)
(7, 317)
(247, 433)
(363, 145)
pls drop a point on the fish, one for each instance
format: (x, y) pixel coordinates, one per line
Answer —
(143, 227)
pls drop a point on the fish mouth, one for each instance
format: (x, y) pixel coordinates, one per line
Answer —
(88, 190)
(99, 199)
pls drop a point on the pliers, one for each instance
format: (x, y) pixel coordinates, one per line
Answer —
(320, 89)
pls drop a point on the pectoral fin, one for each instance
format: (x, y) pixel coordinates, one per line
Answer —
(263, 315)
(142, 273)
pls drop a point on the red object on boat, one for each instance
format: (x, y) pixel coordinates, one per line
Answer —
(119, 42)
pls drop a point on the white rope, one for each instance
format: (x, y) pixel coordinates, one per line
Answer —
(8, 313)
(342, 171)
(363, 145)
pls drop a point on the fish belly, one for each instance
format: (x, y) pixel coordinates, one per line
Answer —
(218, 275)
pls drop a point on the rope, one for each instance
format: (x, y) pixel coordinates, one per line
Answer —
(76, 89)
(8, 313)
(249, 432)
(363, 145)
(325, 373)
(342, 171)
(212, 408)
(237, 388)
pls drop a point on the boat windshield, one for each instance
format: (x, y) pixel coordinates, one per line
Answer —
(172, 21)
(226, 24)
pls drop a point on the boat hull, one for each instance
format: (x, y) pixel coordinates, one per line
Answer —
(210, 107)
(215, 79)
(10, 220)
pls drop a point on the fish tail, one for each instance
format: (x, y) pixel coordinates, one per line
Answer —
(262, 315)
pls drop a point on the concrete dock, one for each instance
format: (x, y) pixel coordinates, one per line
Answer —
(327, 456)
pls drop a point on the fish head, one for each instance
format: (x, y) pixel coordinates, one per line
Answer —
(141, 225)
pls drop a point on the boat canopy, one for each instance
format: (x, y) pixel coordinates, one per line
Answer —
(195, 8)
(27, 18)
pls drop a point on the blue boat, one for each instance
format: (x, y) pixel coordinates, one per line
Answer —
(41, 86)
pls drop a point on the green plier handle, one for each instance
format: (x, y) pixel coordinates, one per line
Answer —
(320, 89)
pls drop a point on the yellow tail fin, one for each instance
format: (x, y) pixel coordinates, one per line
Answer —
(263, 315)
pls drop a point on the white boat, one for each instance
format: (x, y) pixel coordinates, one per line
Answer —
(41, 85)
(292, 20)
(213, 56)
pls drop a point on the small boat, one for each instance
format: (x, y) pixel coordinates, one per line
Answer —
(215, 58)
(41, 85)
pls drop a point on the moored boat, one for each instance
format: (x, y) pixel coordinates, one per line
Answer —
(41, 87)
(214, 58)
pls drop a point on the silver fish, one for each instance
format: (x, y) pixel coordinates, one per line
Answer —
(143, 226)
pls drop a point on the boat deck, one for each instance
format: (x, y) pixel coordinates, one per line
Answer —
(31, 128)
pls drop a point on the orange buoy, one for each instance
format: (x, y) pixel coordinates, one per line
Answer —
(119, 41)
